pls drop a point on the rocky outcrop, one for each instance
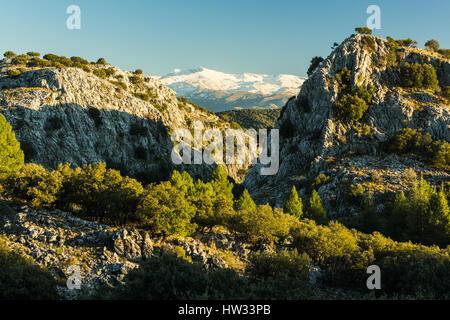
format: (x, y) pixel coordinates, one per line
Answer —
(68, 115)
(317, 143)
(57, 240)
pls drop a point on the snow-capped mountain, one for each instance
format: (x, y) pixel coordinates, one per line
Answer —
(219, 91)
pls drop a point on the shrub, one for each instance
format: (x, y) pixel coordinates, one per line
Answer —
(165, 211)
(418, 76)
(101, 61)
(33, 54)
(432, 45)
(350, 108)
(110, 72)
(14, 73)
(9, 54)
(135, 80)
(279, 275)
(37, 62)
(344, 80)
(79, 60)
(11, 156)
(263, 225)
(21, 279)
(19, 60)
(120, 84)
(363, 30)
(142, 96)
(100, 73)
(313, 65)
(138, 71)
(411, 141)
(445, 53)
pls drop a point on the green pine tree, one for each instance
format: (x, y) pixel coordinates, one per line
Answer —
(315, 210)
(11, 156)
(245, 202)
(293, 204)
(220, 183)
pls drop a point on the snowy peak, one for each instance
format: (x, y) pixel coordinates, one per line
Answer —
(208, 79)
(219, 90)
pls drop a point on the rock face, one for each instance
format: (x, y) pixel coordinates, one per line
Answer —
(68, 115)
(57, 240)
(318, 143)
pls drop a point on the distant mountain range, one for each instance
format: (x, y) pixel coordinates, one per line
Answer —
(219, 91)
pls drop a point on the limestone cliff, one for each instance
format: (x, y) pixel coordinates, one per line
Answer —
(317, 143)
(69, 115)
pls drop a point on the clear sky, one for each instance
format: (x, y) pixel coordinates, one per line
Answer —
(234, 36)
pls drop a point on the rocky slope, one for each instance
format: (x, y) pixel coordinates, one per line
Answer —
(221, 91)
(318, 143)
(68, 115)
(56, 240)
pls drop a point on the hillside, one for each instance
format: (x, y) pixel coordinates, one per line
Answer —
(220, 91)
(322, 148)
(364, 180)
(252, 118)
(65, 110)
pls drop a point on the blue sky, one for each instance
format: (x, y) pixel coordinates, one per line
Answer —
(235, 36)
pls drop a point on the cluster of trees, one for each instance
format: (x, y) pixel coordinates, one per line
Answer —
(33, 59)
(409, 140)
(252, 118)
(418, 75)
(182, 206)
(351, 104)
(421, 216)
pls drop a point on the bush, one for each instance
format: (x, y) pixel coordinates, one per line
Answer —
(313, 65)
(363, 30)
(165, 211)
(138, 71)
(101, 61)
(344, 80)
(411, 141)
(135, 80)
(13, 73)
(11, 156)
(19, 60)
(432, 45)
(120, 84)
(79, 60)
(417, 75)
(21, 279)
(9, 54)
(142, 96)
(100, 73)
(350, 108)
(172, 278)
